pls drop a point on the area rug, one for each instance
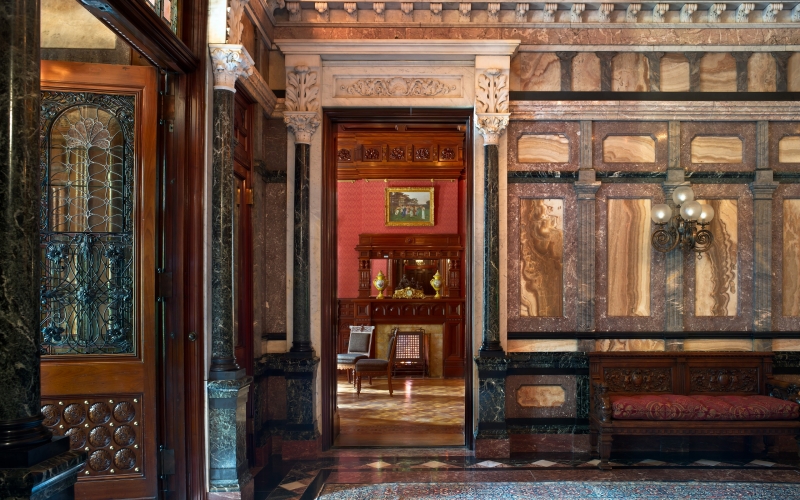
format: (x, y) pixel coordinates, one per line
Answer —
(563, 490)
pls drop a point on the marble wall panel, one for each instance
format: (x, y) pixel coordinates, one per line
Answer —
(536, 71)
(791, 257)
(543, 148)
(784, 146)
(789, 149)
(586, 72)
(761, 75)
(629, 149)
(610, 133)
(629, 253)
(68, 25)
(541, 265)
(793, 73)
(717, 345)
(718, 72)
(542, 345)
(628, 298)
(674, 73)
(709, 149)
(540, 396)
(786, 199)
(742, 318)
(786, 344)
(526, 146)
(609, 345)
(540, 238)
(630, 73)
(692, 131)
(521, 388)
(716, 274)
(269, 258)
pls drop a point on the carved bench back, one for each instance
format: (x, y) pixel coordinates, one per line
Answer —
(686, 373)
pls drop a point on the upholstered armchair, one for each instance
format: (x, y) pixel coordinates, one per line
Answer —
(377, 367)
(357, 348)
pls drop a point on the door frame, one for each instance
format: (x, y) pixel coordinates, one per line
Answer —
(329, 247)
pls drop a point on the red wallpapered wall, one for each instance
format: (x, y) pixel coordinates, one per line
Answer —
(361, 210)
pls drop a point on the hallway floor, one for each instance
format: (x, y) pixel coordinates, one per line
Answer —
(452, 473)
(421, 412)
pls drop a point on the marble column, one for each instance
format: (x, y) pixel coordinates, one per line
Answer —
(33, 464)
(228, 385)
(763, 188)
(674, 260)
(301, 437)
(491, 127)
(586, 189)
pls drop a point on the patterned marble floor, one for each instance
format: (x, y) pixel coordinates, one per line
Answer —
(343, 471)
(422, 412)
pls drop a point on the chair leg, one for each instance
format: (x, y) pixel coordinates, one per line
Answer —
(358, 385)
(390, 383)
(605, 451)
(349, 375)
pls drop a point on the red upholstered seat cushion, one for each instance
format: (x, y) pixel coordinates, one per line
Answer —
(675, 407)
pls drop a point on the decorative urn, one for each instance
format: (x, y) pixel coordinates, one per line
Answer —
(436, 283)
(380, 284)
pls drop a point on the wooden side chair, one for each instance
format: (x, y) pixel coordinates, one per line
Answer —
(377, 367)
(358, 347)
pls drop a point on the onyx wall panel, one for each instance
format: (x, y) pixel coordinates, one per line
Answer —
(713, 146)
(630, 147)
(543, 146)
(717, 271)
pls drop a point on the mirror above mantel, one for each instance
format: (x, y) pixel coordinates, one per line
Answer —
(410, 259)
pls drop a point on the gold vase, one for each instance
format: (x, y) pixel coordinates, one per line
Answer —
(380, 284)
(436, 283)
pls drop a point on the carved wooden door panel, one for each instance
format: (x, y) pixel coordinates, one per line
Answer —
(97, 247)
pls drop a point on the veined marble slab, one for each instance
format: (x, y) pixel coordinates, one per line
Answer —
(708, 149)
(540, 396)
(717, 272)
(674, 73)
(541, 257)
(536, 71)
(786, 344)
(586, 72)
(629, 149)
(629, 257)
(543, 345)
(631, 73)
(761, 73)
(68, 25)
(718, 72)
(793, 73)
(789, 149)
(791, 257)
(543, 148)
(717, 345)
(607, 345)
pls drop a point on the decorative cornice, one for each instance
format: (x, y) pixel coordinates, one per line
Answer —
(419, 49)
(491, 93)
(302, 89)
(491, 126)
(230, 61)
(398, 87)
(302, 123)
(235, 26)
(261, 92)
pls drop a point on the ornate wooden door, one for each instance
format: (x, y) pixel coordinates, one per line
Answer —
(97, 241)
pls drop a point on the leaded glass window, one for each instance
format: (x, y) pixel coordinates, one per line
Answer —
(167, 10)
(86, 223)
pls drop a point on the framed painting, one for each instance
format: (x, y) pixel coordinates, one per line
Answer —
(409, 206)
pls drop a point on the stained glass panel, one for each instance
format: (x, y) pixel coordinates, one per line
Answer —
(86, 224)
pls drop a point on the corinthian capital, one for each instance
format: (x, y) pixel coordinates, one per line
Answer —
(491, 126)
(230, 61)
(302, 123)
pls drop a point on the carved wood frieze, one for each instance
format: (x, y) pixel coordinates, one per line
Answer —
(638, 379)
(723, 380)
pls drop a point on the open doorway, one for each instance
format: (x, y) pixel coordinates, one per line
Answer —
(396, 200)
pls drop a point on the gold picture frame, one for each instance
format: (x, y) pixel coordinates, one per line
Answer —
(409, 206)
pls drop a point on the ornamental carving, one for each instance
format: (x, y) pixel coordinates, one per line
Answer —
(235, 12)
(229, 63)
(372, 154)
(398, 87)
(491, 126)
(447, 154)
(638, 379)
(491, 96)
(422, 154)
(723, 380)
(302, 123)
(344, 155)
(397, 154)
(302, 90)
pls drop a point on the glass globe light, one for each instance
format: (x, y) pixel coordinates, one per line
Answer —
(690, 210)
(682, 195)
(661, 213)
(706, 213)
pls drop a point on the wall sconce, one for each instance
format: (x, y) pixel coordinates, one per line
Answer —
(682, 228)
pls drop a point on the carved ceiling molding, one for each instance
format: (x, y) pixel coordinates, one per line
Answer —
(229, 61)
(396, 86)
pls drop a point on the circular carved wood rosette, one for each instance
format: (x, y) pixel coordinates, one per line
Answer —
(107, 428)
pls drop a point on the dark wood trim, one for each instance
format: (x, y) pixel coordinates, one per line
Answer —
(145, 32)
(651, 335)
(328, 284)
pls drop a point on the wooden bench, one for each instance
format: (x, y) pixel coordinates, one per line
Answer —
(643, 394)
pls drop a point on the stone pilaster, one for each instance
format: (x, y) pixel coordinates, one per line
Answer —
(229, 475)
(33, 464)
(763, 188)
(586, 189)
(228, 386)
(674, 260)
(491, 437)
(301, 436)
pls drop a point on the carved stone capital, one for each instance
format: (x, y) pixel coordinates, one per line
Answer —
(491, 93)
(302, 89)
(230, 61)
(302, 123)
(491, 126)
